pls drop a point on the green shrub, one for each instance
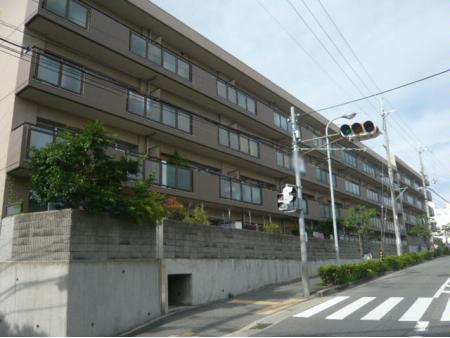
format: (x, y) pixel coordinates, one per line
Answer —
(354, 272)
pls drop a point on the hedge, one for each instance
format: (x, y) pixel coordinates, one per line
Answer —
(354, 272)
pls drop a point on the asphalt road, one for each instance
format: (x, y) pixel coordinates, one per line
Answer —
(412, 302)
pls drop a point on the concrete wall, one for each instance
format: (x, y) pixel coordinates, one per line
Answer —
(77, 298)
(70, 273)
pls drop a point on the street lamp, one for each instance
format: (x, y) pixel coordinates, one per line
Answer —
(330, 179)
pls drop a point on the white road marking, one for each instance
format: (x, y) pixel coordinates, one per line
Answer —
(321, 307)
(381, 310)
(446, 314)
(416, 311)
(350, 308)
(442, 289)
(421, 326)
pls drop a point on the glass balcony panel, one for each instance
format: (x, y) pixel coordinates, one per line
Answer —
(184, 122)
(48, 70)
(153, 110)
(71, 78)
(169, 61)
(154, 53)
(246, 193)
(136, 103)
(78, 14)
(225, 187)
(57, 6)
(138, 45)
(234, 141)
(221, 89)
(223, 137)
(232, 96)
(184, 179)
(184, 69)
(236, 191)
(169, 116)
(256, 195)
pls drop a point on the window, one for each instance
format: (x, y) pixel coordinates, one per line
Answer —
(170, 175)
(238, 142)
(284, 160)
(350, 159)
(163, 113)
(322, 176)
(238, 97)
(153, 51)
(239, 191)
(69, 9)
(352, 188)
(326, 212)
(372, 195)
(60, 73)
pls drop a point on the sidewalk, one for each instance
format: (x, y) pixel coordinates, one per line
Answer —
(226, 316)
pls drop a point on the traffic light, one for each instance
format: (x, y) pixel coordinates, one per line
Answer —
(360, 131)
(286, 199)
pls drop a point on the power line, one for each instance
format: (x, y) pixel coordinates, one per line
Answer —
(384, 91)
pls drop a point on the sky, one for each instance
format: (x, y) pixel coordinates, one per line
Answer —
(396, 41)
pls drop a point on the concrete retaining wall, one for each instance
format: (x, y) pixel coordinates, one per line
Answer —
(77, 298)
(70, 273)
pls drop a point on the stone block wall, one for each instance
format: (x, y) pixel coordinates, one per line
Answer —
(73, 235)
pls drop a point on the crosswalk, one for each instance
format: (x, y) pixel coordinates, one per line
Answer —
(375, 309)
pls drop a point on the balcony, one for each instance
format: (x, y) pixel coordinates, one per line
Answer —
(108, 41)
(184, 182)
(60, 84)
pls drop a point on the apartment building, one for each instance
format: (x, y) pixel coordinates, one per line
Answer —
(215, 132)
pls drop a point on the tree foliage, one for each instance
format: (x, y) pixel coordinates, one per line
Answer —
(199, 216)
(272, 228)
(77, 172)
(421, 229)
(358, 220)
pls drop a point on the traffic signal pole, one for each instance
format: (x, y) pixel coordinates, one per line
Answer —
(398, 241)
(301, 217)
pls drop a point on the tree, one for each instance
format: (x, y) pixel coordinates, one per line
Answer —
(421, 228)
(358, 220)
(77, 172)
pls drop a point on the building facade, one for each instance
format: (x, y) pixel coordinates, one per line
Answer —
(214, 131)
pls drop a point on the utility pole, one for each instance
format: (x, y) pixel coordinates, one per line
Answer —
(424, 187)
(301, 218)
(398, 241)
